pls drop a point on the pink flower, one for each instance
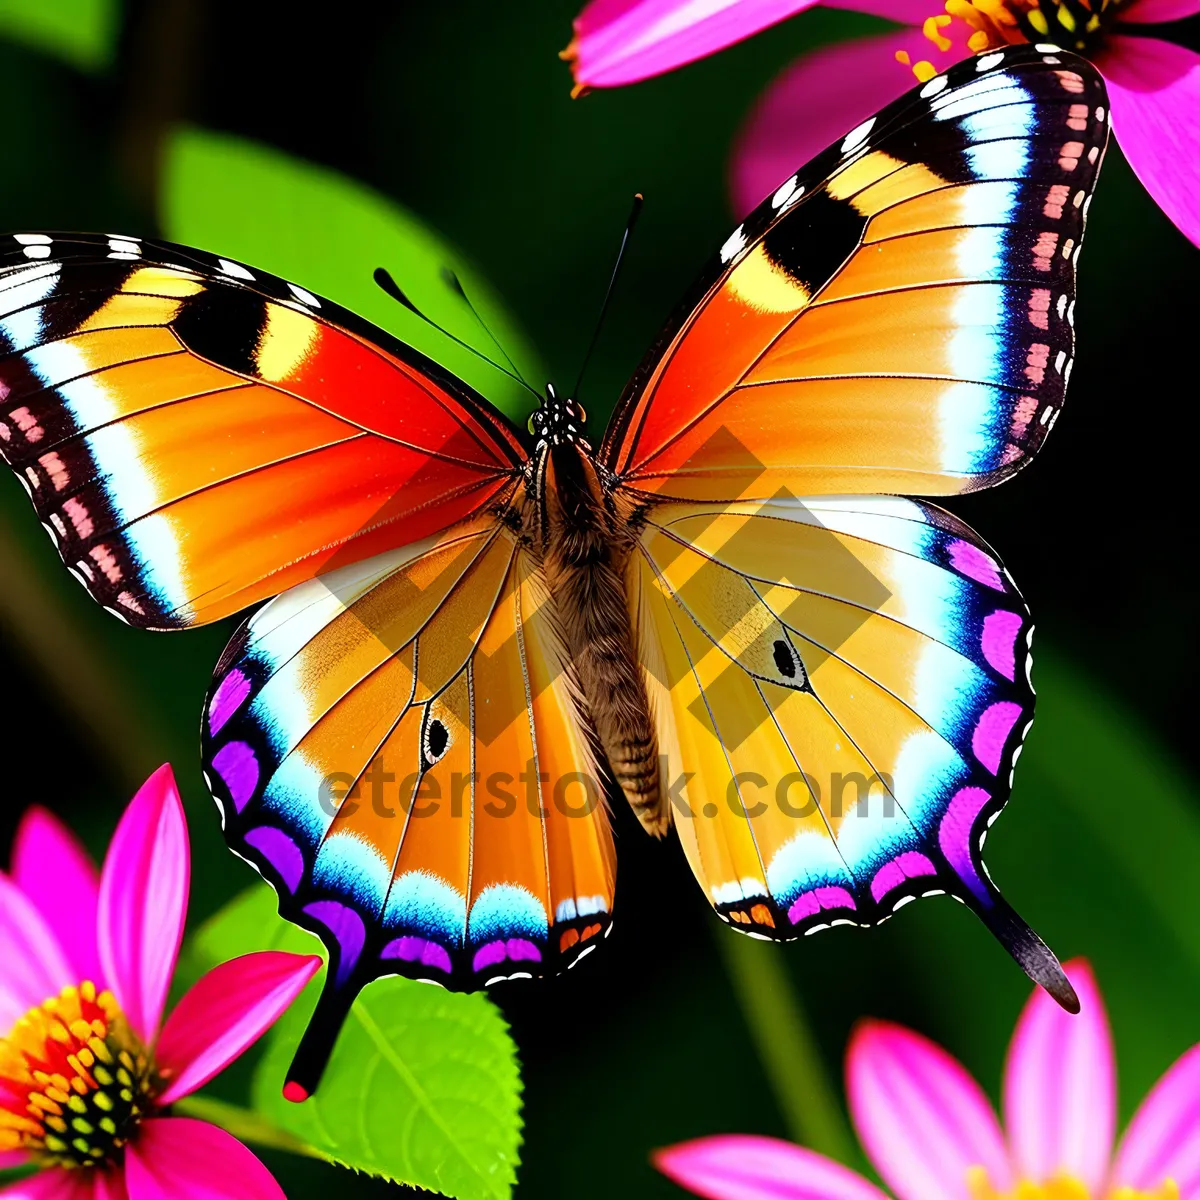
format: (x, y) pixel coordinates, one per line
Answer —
(932, 1134)
(88, 1068)
(1154, 84)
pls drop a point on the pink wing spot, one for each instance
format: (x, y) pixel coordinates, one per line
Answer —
(1070, 154)
(5, 433)
(1039, 308)
(1077, 117)
(991, 732)
(56, 469)
(230, 695)
(129, 600)
(1035, 362)
(26, 422)
(969, 560)
(1043, 250)
(1023, 413)
(954, 837)
(1073, 83)
(999, 641)
(909, 865)
(104, 558)
(1056, 199)
(77, 511)
(813, 902)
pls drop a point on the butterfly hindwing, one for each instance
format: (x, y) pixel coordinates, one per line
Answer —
(197, 436)
(397, 748)
(898, 316)
(841, 693)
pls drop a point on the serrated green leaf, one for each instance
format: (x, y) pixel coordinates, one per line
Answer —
(82, 32)
(423, 1088)
(328, 233)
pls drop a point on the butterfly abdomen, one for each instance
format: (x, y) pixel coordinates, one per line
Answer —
(585, 547)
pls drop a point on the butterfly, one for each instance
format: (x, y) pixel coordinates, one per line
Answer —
(725, 608)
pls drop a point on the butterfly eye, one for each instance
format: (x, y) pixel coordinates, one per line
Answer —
(530, 425)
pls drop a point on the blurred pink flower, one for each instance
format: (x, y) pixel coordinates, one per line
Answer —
(1154, 84)
(88, 1068)
(932, 1134)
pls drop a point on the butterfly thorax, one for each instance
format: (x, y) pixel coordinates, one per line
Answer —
(575, 525)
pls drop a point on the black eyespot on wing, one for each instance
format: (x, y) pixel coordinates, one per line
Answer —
(225, 326)
(784, 659)
(436, 742)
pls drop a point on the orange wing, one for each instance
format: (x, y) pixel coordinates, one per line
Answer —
(197, 436)
(898, 316)
(397, 747)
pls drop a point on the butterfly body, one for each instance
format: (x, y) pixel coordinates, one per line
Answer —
(822, 684)
(585, 529)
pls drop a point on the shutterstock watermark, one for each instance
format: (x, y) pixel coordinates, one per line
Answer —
(577, 794)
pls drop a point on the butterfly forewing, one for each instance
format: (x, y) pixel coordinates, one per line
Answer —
(897, 317)
(197, 436)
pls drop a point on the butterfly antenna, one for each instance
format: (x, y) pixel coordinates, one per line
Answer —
(634, 213)
(384, 279)
(453, 282)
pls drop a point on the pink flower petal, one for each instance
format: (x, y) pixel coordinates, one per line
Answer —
(143, 901)
(906, 12)
(1163, 1139)
(623, 41)
(227, 1011)
(56, 872)
(1159, 12)
(1154, 90)
(923, 1120)
(1060, 1096)
(177, 1158)
(50, 1185)
(110, 1185)
(736, 1167)
(33, 966)
(818, 100)
(13, 1158)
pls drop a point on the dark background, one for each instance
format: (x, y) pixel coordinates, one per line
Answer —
(461, 112)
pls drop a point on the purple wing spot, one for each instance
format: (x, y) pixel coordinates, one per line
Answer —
(280, 851)
(419, 950)
(238, 768)
(812, 902)
(347, 929)
(955, 833)
(230, 695)
(516, 949)
(969, 560)
(999, 641)
(991, 732)
(909, 865)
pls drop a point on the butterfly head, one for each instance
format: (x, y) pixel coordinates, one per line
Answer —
(559, 420)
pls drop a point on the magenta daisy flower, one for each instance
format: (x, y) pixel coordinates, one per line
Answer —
(88, 1068)
(1153, 83)
(932, 1134)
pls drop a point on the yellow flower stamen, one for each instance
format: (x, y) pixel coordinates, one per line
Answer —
(1062, 1187)
(983, 25)
(74, 1080)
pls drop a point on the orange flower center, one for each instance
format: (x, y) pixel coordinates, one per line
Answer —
(982, 25)
(1062, 1187)
(74, 1081)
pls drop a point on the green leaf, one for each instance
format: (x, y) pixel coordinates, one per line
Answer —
(328, 233)
(423, 1088)
(82, 32)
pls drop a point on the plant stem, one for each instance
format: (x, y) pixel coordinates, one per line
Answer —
(245, 1125)
(786, 1047)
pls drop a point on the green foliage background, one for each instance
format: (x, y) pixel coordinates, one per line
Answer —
(173, 117)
